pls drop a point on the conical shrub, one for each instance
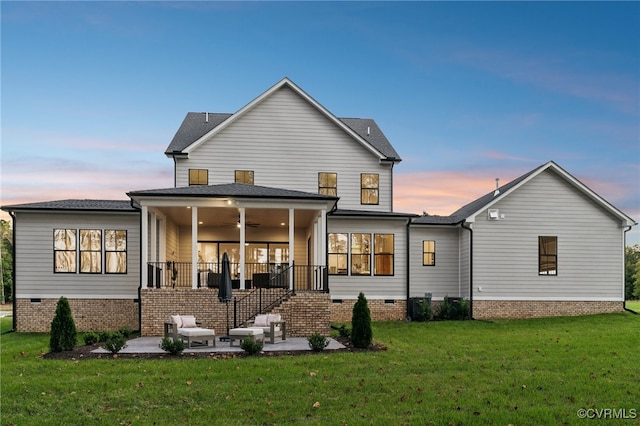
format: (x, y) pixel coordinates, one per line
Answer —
(361, 333)
(63, 328)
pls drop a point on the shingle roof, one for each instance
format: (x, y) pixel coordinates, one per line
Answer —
(370, 213)
(72, 204)
(197, 124)
(231, 190)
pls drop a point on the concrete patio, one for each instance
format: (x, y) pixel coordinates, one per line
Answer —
(151, 345)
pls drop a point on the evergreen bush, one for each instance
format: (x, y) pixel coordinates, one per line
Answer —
(251, 346)
(317, 342)
(361, 333)
(115, 343)
(91, 338)
(63, 328)
(174, 347)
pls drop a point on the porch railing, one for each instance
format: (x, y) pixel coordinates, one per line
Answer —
(257, 275)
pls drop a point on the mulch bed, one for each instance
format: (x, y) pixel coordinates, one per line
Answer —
(84, 352)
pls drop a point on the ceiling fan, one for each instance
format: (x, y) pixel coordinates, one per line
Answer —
(247, 223)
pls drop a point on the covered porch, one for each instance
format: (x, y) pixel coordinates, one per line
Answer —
(274, 238)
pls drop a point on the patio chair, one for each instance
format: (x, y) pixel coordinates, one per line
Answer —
(272, 325)
(186, 328)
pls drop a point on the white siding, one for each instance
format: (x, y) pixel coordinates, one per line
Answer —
(34, 257)
(286, 142)
(373, 287)
(590, 241)
(442, 279)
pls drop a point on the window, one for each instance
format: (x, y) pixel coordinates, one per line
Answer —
(244, 176)
(115, 251)
(338, 246)
(547, 255)
(428, 253)
(328, 183)
(383, 254)
(198, 177)
(90, 251)
(64, 250)
(369, 184)
(360, 254)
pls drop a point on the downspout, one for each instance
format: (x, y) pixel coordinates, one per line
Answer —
(470, 266)
(140, 274)
(325, 274)
(408, 266)
(13, 275)
(624, 245)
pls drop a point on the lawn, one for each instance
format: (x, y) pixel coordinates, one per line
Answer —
(517, 372)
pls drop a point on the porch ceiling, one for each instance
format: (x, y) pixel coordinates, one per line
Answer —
(228, 217)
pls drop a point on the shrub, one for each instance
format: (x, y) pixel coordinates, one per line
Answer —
(317, 342)
(115, 343)
(448, 309)
(344, 331)
(361, 333)
(63, 328)
(103, 336)
(251, 346)
(174, 347)
(91, 338)
(126, 332)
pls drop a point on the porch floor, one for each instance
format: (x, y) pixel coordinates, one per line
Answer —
(151, 345)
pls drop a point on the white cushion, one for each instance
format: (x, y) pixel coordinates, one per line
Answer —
(188, 321)
(273, 317)
(175, 319)
(196, 332)
(246, 331)
(261, 321)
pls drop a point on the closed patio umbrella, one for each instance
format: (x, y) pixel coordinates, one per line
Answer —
(224, 289)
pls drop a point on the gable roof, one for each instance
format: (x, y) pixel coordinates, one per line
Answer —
(197, 127)
(77, 205)
(240, 190)
(469, 211)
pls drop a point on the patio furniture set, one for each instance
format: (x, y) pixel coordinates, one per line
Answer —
(187, 329)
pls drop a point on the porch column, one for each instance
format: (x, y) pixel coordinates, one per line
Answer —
(321, 248)
(144, 252)
(242, 250)
(291, 247)
(194, 247)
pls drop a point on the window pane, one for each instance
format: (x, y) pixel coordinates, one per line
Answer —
(116, 262)
(369, 188)
(361, 254)
(90, 262)
(244, 176)
(327, 183)
(429, 259)
(338, 264)
(64, 239)
(198, 177)
(90, 239)
(65, 261)
(338, 250)
(278, 253)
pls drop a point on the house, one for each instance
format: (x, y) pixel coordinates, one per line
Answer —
(302, 203)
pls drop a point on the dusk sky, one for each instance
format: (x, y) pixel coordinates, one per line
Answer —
(93, 92)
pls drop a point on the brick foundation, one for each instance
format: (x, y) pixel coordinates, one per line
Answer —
(305, 312)
(494, 309)
(88, 314)
(380, 310)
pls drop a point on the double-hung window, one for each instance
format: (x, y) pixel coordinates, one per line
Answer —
(338, 251)
(369, 188)
(64, 250)
(428, 253)
(360, 254)
(328, 183)
(90, 251)
(115, 251)
(383, 253)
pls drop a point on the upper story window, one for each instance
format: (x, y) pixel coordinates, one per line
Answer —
(198, 177)
(244, 176)
(338, 248)
(428, 253)
(547, 255)
(360, 254)
(328, 183)
(369, 188)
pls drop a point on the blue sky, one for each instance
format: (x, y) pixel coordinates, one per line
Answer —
(93, 92)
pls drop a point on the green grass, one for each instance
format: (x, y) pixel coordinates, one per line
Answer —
(634, 305)
(473, 373)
